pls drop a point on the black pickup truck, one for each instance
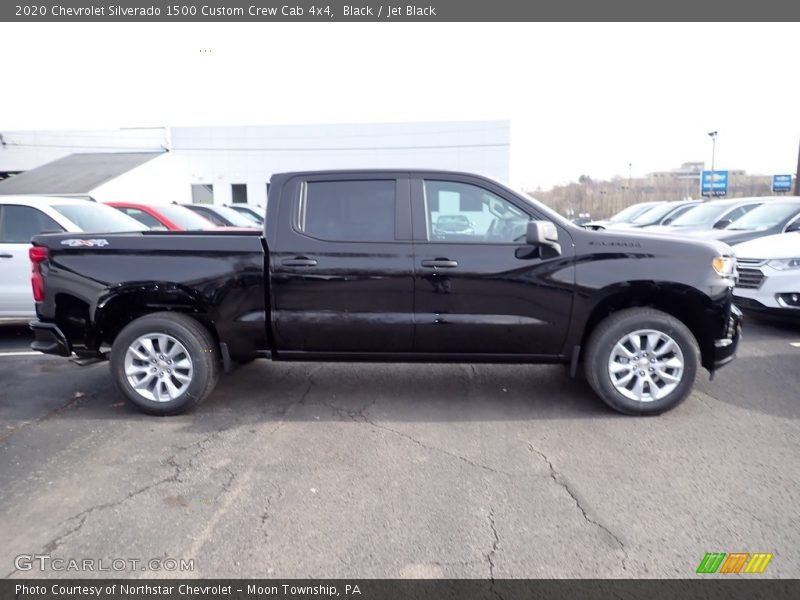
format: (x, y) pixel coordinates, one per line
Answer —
(389, 266)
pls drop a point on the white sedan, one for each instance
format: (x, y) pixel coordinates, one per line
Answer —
(22, 217)
(769, 274)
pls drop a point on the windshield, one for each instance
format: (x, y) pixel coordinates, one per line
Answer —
(704, 214)
(236, 219)
(249, 214)
(626, 215)
(766, 216)
(655, 214)
(98, 218)
(184, 218)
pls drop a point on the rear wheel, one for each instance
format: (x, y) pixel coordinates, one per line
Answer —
(641, 361)
(165, 363)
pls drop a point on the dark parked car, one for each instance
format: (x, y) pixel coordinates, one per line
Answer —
(714, 214)
(249, 213)
(663, 214)
(222, 216)
(349, 269)
(626, 215)
(775, 215)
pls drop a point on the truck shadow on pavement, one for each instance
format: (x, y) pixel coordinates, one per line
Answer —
(36, 388)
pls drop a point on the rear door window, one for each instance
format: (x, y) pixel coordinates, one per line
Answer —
(18, 224)
(349, 211)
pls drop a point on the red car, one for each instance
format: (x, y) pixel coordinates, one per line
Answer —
(171, 217)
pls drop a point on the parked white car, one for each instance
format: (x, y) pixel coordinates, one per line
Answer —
(769, 274)
(22, 217)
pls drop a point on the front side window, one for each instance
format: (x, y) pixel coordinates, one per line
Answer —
(18, 224)
(349, 211)
(461, 212)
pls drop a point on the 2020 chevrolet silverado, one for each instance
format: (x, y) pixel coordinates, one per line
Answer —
(350, 267)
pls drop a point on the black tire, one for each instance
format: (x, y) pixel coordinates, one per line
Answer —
(198, 344)
(612, 330)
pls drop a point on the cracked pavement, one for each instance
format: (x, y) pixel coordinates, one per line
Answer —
(366, 470)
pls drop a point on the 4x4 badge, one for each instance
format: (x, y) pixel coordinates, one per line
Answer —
(90, 243)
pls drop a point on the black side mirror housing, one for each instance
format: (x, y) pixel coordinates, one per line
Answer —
(543, 233)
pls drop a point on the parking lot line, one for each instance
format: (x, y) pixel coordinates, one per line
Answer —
(795, 344)
(29, 353)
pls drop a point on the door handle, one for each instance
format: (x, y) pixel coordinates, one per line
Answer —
(299, 261)
(6, 255)
(440, 263)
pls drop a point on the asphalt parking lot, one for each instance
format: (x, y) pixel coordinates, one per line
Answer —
(352, 470)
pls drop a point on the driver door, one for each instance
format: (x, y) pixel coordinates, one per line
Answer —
(478, 288)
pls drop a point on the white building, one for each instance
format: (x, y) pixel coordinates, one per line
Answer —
(234, 164)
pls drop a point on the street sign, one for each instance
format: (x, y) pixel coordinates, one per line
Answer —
(781, 183)
(714, 183)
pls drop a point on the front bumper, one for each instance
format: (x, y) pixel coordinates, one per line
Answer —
(49, 339)
(725, 347)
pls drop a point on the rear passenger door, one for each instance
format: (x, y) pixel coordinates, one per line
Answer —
(18, 224)
(342, 265)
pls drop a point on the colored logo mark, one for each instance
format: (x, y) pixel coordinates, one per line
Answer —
(735, 562)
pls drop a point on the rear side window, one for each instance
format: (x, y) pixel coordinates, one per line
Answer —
(18, 224)
(92, 217)
(349, 211)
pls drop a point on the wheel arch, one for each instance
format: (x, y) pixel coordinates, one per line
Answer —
(685, 303)
(122, 305)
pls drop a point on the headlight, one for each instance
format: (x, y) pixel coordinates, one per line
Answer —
(723, 265)
(783, 264)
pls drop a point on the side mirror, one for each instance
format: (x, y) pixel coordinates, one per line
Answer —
(722, 224)
(543, 233)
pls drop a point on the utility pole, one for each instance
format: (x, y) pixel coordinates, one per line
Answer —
(713, 136)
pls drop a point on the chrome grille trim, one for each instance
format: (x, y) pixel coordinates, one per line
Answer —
(751, 279)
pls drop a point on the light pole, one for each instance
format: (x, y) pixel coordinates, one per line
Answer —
(713, 136)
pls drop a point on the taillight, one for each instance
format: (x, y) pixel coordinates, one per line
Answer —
(38, 255)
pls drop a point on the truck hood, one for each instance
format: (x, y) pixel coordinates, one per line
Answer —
(782, 245)
(658, 243)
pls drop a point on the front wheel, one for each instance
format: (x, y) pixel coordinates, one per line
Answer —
(165, 363)
(641, 361)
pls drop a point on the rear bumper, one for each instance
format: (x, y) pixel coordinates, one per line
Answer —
(725, 348)
(49, 339)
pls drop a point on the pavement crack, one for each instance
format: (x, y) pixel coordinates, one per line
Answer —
(558, 478)
(76, 398)
(495, 543)
(422, 444)
(359, 415)
(311, 384)
(267, 514)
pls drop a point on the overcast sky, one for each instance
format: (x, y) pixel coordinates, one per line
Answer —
(581, 98)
